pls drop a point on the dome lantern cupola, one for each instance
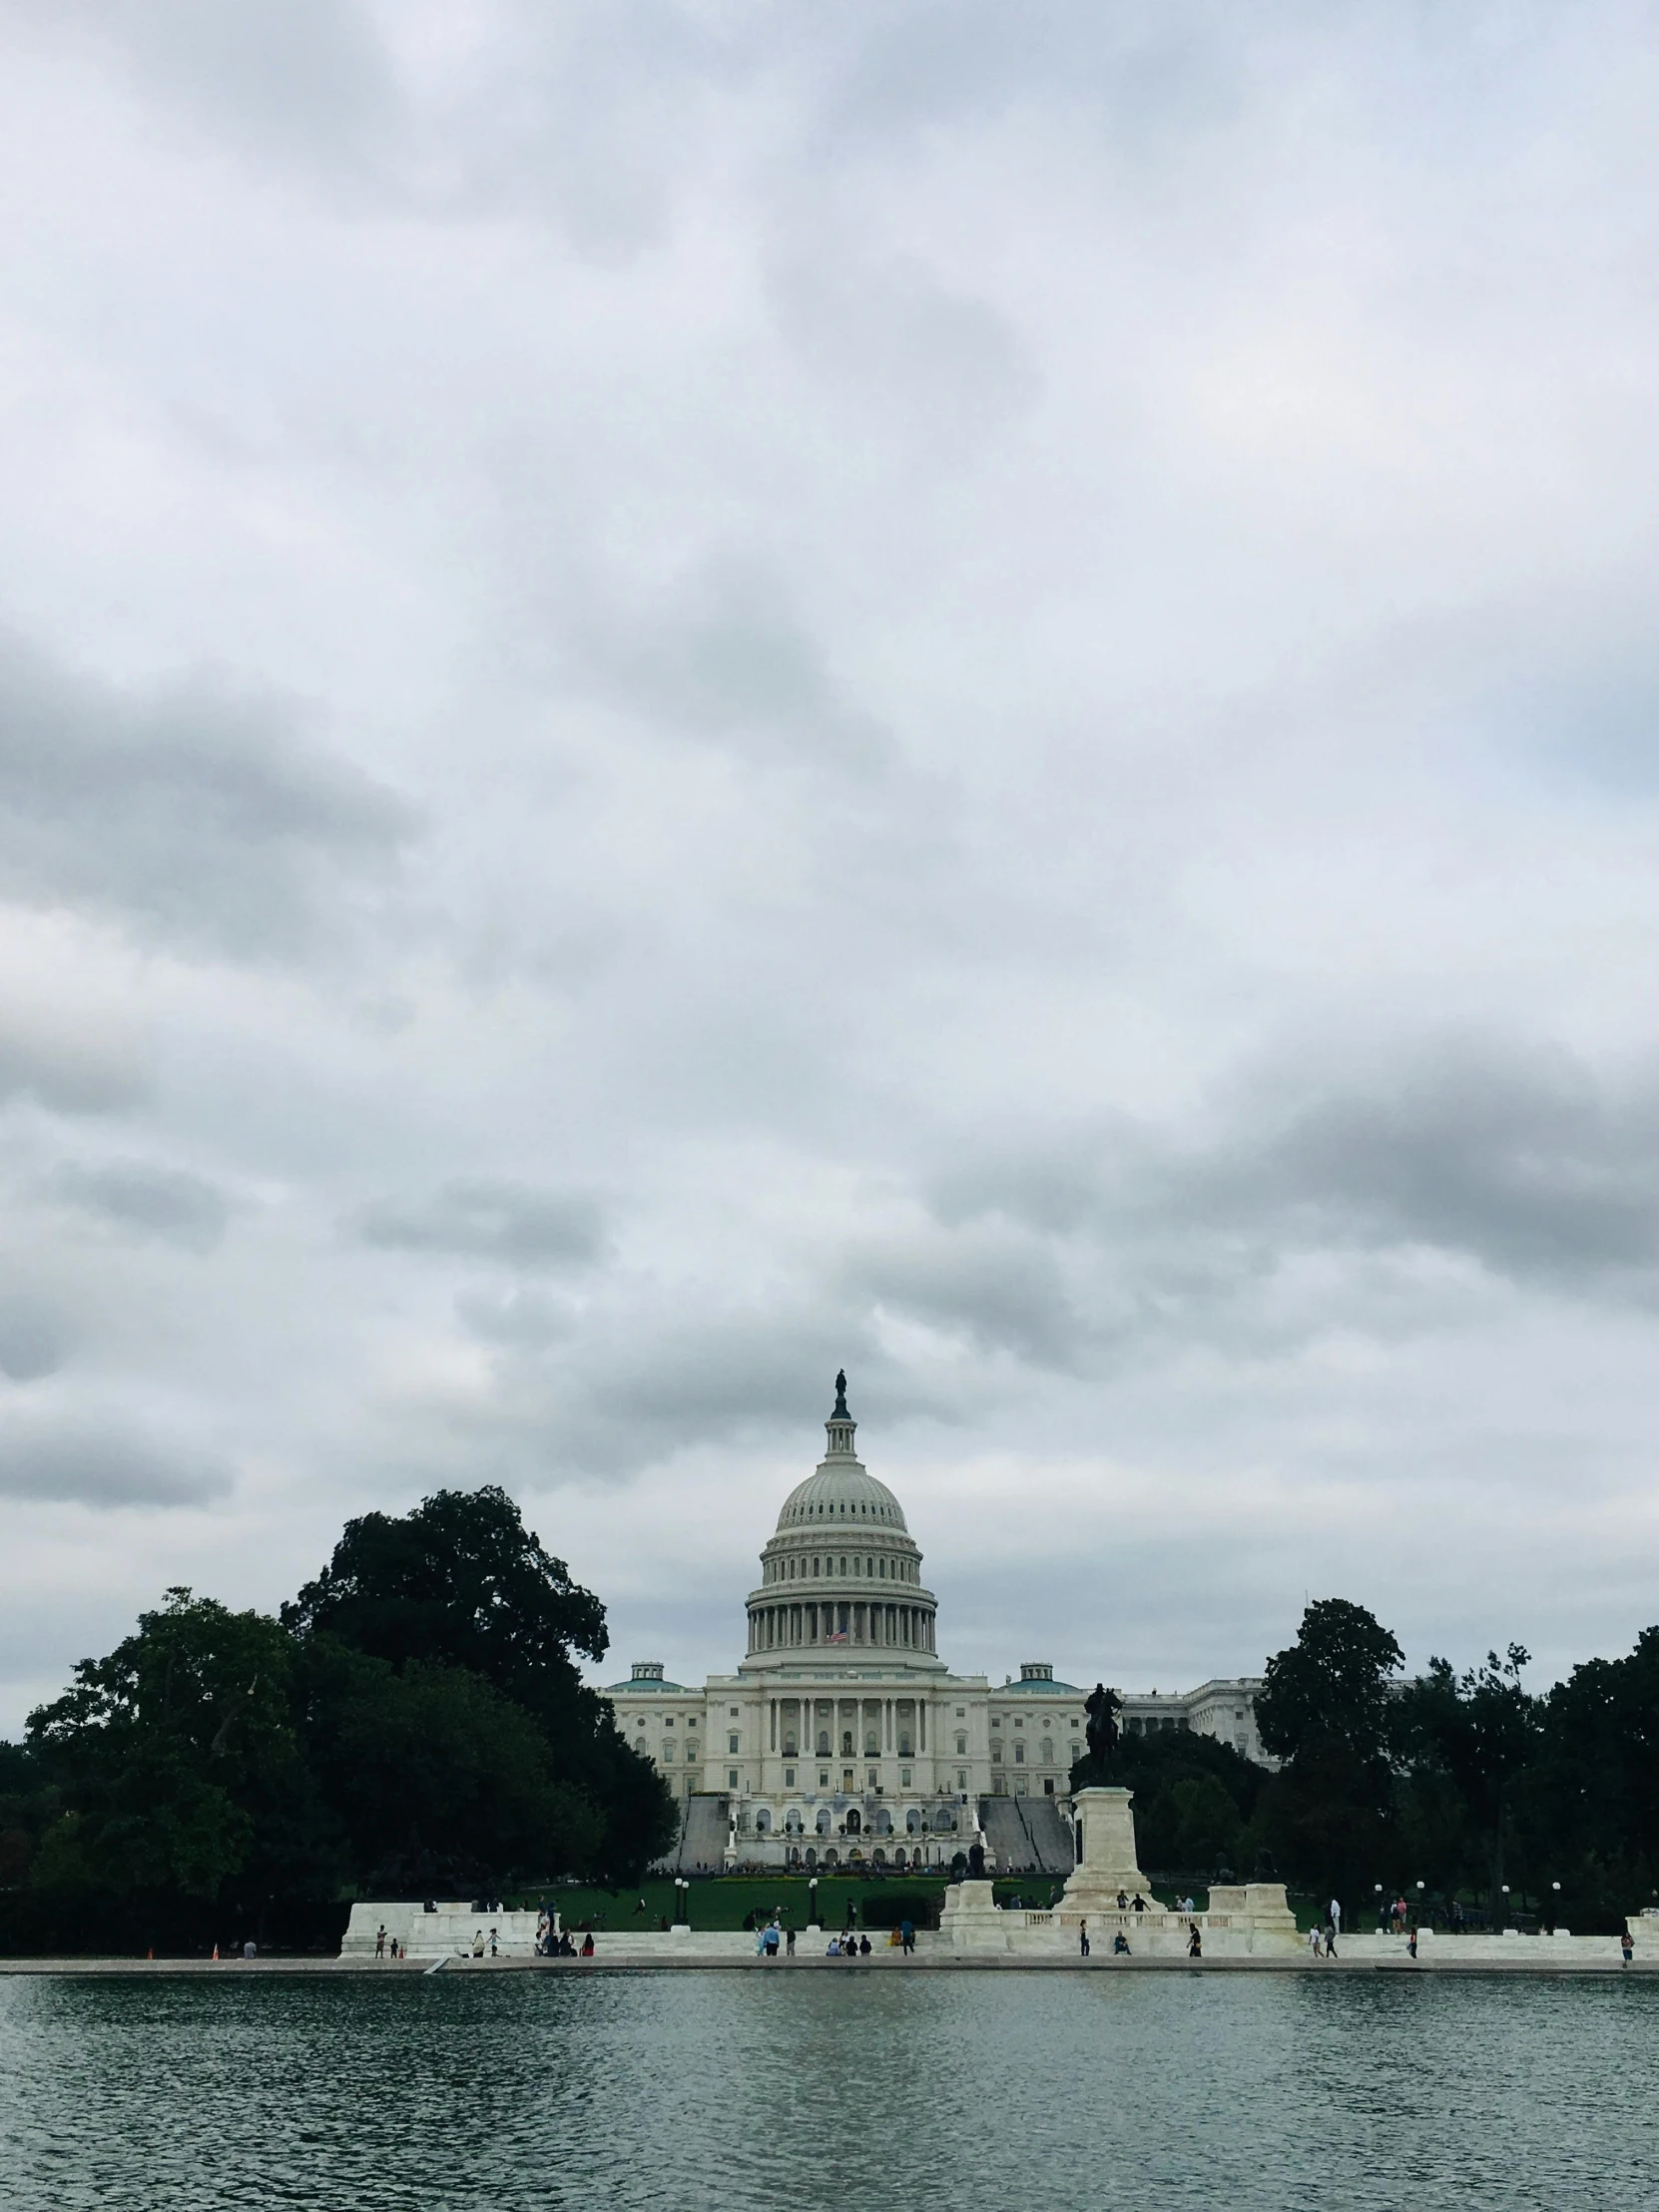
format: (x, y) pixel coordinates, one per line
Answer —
(841, 1428)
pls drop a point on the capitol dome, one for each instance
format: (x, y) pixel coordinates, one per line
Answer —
(842, 1568)
(841, 1491)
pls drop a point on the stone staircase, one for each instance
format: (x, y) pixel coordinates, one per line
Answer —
(701, 1845)
(1028, 1834)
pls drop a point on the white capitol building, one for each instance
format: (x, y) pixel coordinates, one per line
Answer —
(843, 1737)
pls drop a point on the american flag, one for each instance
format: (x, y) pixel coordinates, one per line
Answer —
(835, 1637)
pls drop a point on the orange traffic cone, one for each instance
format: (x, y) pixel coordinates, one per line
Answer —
(215, 1950)
(151, 1952)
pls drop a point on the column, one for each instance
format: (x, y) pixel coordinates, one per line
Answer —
(772, 1703)
(921, 1728)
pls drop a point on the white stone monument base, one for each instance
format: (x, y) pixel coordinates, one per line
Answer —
(970, 1919)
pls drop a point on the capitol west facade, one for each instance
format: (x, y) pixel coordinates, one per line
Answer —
(843, 1737)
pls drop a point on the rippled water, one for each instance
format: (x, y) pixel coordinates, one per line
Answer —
(783, 2088)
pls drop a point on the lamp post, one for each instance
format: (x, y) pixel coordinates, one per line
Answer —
(1505, 1888)
(811, 1903)
(682, 1902)
(1554, 1905)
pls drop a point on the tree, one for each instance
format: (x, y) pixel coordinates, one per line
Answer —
(439, 1782)
(169, 1752)
(1478, 1732)
(1326, 1708)
(1334, 1682)
(1590, 1807)
(460, 1582)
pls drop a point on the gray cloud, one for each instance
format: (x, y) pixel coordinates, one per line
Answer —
(89, 1462)
(197, 817)
(32, 1343)
(72, 1070)
(136, 1197)
(476, 1218)
(1516, 1157)
(723, 655)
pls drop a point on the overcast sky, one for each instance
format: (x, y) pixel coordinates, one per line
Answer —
(693, 691)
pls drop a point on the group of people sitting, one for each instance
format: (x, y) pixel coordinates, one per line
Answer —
(849, 1946)
(556, 1942)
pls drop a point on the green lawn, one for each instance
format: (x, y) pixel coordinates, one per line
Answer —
(723, 1901)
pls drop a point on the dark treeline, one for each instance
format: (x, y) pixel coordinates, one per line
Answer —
(1470, 1783)
(413, 1724)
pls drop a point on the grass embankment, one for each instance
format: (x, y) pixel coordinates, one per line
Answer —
(724, 1900)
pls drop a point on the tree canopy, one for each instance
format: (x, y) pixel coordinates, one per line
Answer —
(414, 1722)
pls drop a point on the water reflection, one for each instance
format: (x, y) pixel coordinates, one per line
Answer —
(732, 2090)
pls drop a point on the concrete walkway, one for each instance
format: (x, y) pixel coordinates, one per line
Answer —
(881, 1962)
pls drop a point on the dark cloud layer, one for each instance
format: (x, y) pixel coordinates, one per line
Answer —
(103, 1465)
(196, 816)
(135, 1198)
(476, 1218)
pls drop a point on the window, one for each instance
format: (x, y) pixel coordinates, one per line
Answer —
(789, 1778)
(846, 1743)
(961, 1781)
(1000, 1786)
(1019, 1752)
(732, 1709)
(882, 1570)
(996, 1751)
(847, 1781)
(669, 1723)
(1048, 1786)
(961, 1743)
(1020, 1720)
(732, 1744)
(870, 1566)
(815, 1566)
(870, 1779)
(1020, 1787)
(843, 1562)
(823, 1782)
(903, 1778)
(788, 1743)
(904, 1743)
(732, 1778)
(961, 1712)
(1048, 1751)
(823, 1743)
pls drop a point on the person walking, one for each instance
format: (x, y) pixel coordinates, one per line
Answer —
(788, 1942)
(1331, 1938)
(1412, 1939)
(908, 1936)
(1195, 1943)
(381, 1940)
(1315, 1941)
(1334, 1914)
(1083, 1938)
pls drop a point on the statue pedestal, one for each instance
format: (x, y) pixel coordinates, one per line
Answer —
(970, 1919)
(1260, 1911)
(1106, 1864)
